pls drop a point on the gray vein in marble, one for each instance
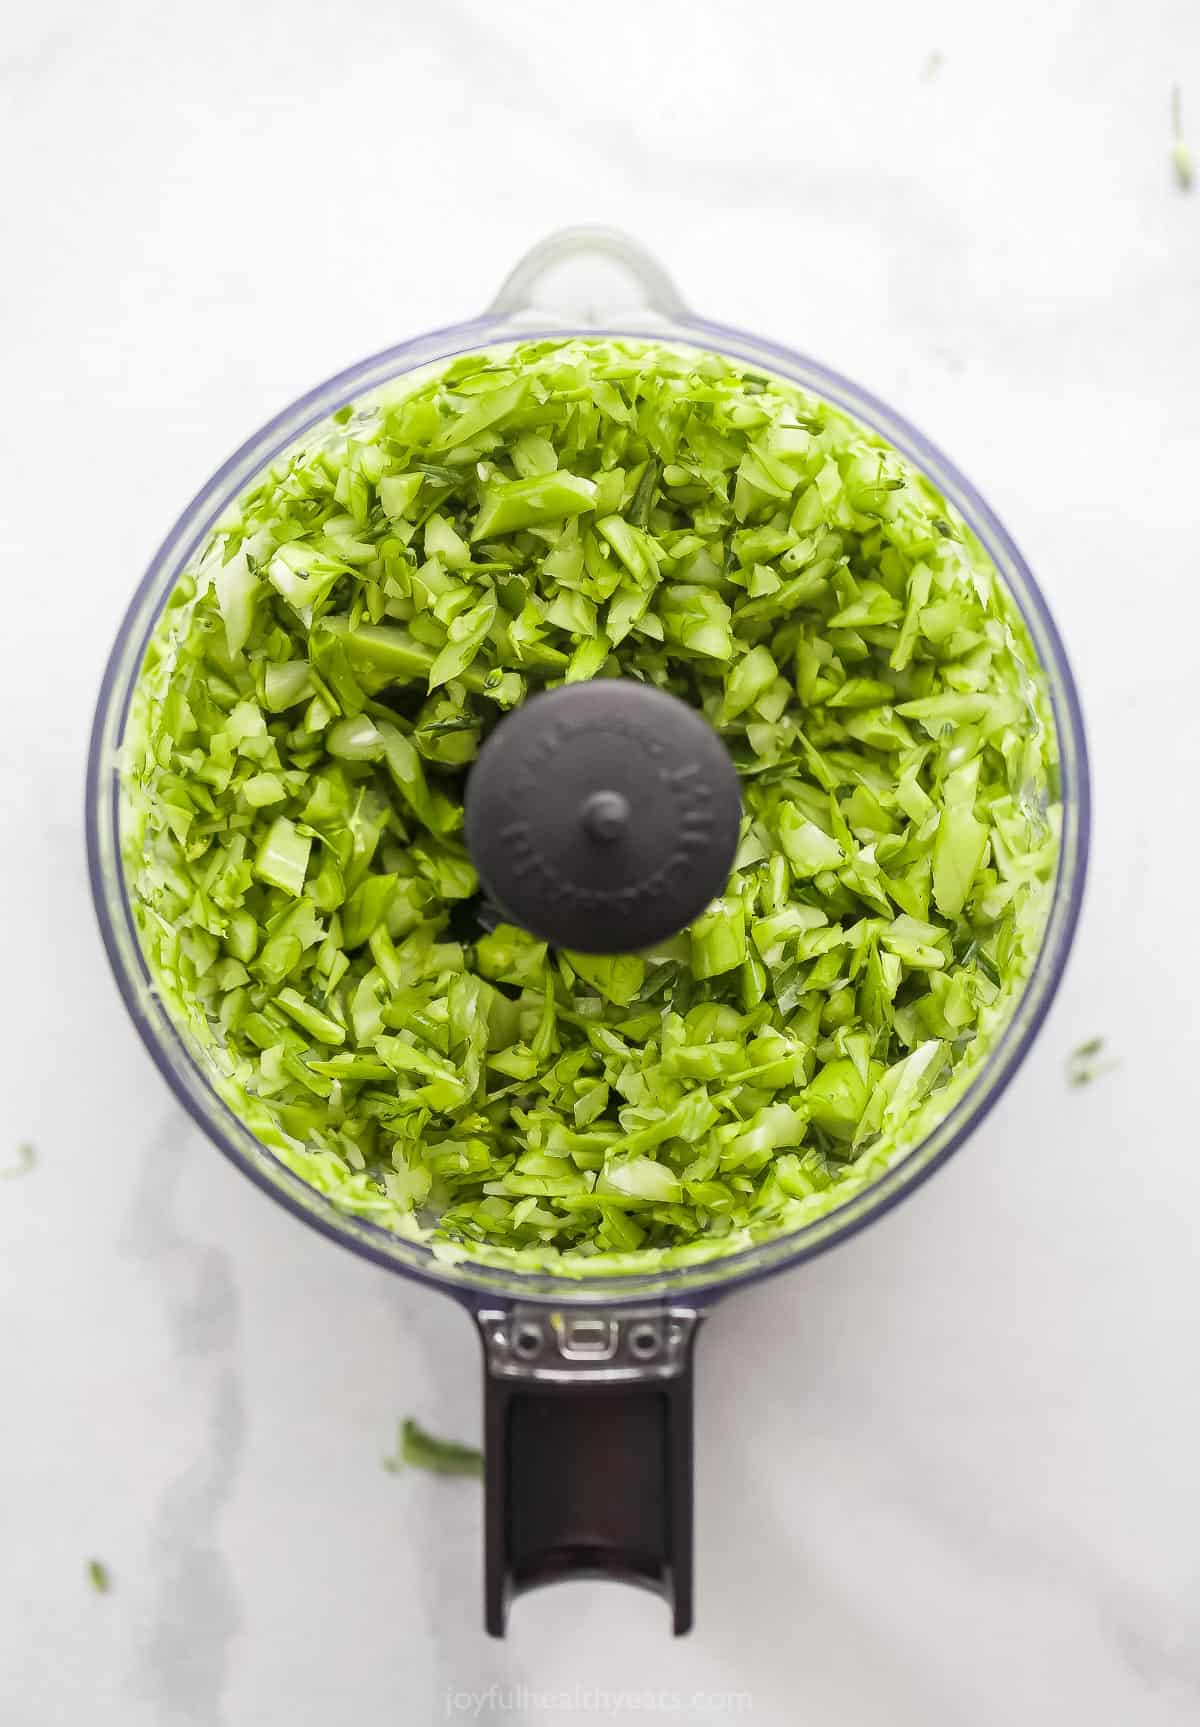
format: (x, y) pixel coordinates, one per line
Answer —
(481, 39)
(1160, 1661)
(1133, 1625)
(184, 1660)
(21, 75)
(445, 1520)
(786, 1568)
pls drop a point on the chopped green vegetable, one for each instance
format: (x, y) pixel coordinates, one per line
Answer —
(98, 1576)
(719, 938)
(323, 678)
(958, 850)
(417, 1449)
(283, 854)
(1086, 1062)
(509, 505)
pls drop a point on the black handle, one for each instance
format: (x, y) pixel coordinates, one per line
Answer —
(588, 1451)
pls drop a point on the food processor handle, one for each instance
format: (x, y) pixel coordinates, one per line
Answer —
(597, 265)
(587, 1451)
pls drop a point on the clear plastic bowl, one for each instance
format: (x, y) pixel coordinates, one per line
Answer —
(569, 268)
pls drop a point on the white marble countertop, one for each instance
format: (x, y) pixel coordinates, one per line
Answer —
(946, 1475)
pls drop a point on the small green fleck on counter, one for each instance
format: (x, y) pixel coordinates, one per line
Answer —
(99, 1576)
(420, 1450)
(1087, 1062)
(26, 1160)
(1181, 156)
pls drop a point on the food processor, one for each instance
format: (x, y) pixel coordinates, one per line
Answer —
(587, 1379)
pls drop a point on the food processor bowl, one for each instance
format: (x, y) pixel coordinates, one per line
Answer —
(587, 1379)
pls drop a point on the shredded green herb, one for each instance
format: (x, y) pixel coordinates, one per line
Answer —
(98, 1576)
(420, 1450)
(322, 679)
(1181, 156)
(26, 1160)
(1087, 1062)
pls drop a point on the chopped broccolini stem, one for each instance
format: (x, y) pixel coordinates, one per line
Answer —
(420, 1450)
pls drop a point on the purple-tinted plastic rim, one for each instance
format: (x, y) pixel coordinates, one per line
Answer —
(471, 1282)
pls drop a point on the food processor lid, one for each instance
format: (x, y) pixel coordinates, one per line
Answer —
(603, 816)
